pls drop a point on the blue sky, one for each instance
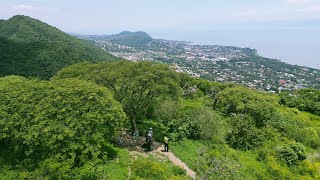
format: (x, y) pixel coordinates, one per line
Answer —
(106, 16)
(186, 19)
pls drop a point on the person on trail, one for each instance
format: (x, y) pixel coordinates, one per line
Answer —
(149, 141)
(166, 143)
(148, 137)
(150, 132)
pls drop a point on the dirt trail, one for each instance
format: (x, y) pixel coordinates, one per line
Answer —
(134, 145)
(176, 161)
(159, 153)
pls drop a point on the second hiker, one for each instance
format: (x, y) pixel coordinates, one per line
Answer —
(166, 143)
(149, 139)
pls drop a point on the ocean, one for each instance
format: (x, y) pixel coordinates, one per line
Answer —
(293, 46)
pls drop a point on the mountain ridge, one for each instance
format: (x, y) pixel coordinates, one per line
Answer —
(127, 38)
(30, 47)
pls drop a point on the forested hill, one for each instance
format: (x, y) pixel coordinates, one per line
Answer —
(76, 125)
(29, 47)
(133, 39)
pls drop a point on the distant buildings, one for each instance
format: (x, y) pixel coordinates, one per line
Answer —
(219, 63)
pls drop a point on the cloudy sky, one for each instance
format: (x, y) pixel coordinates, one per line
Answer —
(223, 20)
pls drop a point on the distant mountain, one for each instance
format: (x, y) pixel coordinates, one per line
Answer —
(29, 47)
(125, 38)
(133, 39)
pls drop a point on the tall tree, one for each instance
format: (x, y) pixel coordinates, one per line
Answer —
(67, 121)
(136, 85)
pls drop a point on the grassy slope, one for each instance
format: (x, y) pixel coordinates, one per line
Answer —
(186, 150)
(250, 166)
(118, 168)
(140, 167)
(29, 47)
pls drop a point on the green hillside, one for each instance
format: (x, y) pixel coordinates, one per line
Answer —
(133, 39)
(74, 126)
(137, 39)
(29, 47)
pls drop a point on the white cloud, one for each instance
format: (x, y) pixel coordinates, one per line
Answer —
(25, 7)
(305, 6)
(297, 2)
(250, 13)
(262, 14)
(31, 9)
(291, 10)
(310, 9)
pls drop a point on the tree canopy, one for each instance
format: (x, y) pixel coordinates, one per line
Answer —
(57, 125)
(66, 128)
(260, 106)
(136, 85)
(304, 99)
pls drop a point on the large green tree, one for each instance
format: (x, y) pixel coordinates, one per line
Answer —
(304, 99)
(55, 125)
(241, 100)
(138, 86)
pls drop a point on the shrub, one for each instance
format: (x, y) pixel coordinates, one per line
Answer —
(293, 152)
(178, 171)
(261, 107)
(149, 169)
(244, 135)
(190, 119)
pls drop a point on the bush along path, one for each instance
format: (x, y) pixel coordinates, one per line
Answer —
(176, 161)
(159, 153)
(136, 145)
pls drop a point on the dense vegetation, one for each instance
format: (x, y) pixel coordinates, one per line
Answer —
(305, 100)
(138, 86)
(49, 128)
(137, 39)
(134, 39)
(68, 127)
(271, 140)
(29, 47)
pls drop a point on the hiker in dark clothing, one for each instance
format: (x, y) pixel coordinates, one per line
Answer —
(149, 138)
(149, 142)
(150, 131)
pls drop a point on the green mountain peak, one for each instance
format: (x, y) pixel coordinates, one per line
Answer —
(134, 39)
(22, 28)
(29, 47)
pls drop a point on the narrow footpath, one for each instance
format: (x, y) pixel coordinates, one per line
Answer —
(159, 152)
(134, 145)
(176, 161)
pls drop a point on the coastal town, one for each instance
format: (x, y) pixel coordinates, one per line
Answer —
(217, 63)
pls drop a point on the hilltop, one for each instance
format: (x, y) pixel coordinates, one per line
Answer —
(29, 47)
(216, 63)
(134, 39)
(126, 38)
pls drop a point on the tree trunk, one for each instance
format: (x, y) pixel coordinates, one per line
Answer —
(134, 127)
